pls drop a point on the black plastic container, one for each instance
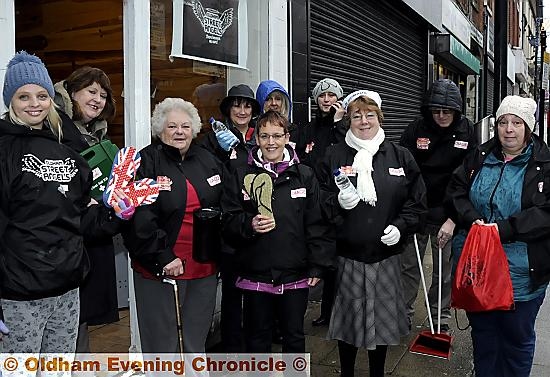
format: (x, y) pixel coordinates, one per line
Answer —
(206, 234)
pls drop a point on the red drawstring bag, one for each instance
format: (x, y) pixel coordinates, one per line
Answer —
(482, 279)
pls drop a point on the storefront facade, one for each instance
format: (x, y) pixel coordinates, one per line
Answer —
(132, 41)
(386, 52)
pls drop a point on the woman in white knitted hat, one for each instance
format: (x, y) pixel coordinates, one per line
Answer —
(506, 183)
(371, 224)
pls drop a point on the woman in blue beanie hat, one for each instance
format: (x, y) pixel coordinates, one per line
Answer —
(44, 205)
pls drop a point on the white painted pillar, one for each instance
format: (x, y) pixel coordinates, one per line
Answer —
(7, 30)
(278, 42)
(137, 107)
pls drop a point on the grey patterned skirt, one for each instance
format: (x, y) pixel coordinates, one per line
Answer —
(369, 308)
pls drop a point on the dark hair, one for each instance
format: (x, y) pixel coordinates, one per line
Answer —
(366, 104)
(273, 117)
(237, 101)
(84, 77)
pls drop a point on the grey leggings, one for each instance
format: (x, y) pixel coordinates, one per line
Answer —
(42, 326)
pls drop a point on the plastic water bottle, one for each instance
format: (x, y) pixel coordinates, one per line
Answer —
(343, 182)
(218, 127)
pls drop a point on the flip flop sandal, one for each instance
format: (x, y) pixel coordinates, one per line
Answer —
(125, 165)
(142, 192)
(260, 189)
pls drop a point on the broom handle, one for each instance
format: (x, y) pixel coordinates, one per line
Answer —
(423, 283)
(439, 292)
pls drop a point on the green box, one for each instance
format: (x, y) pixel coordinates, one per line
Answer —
(100, 158)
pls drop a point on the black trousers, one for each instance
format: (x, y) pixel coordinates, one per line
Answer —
(259, 312)
(328, 293)
(232, 307)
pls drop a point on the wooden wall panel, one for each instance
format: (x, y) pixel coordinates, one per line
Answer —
(68, 34)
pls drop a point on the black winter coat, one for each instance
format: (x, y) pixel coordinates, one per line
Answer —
(299, 246)
(233, 158)
(44, 193)
(98, 292)
(438, 152)
(154, 228)
(313, 139)
(401, 201)
(531, 225)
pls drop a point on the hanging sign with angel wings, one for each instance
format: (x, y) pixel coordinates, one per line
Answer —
(212, 31)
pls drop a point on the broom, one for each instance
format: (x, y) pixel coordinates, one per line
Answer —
(428, 342)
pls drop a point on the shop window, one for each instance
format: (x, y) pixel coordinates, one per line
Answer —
(67, 35)
(204, 84)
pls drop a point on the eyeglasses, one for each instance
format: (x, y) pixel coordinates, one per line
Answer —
(275, 137)
(444, 111)
(358, 116)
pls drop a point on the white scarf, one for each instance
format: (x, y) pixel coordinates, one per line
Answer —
(362, 163)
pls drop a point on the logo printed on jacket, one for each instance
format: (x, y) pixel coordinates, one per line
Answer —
(214, 180)
(165, 183)
(298, 193)
(350, 171)
(50, 170)
(422, 143)
(461, 144)
(396, 171)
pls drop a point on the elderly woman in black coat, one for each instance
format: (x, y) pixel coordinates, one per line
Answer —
(161, 237)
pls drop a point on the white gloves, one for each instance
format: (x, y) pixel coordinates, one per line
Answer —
(391, 235)
(348, 200)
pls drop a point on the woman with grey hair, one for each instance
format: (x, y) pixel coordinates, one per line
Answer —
(160, 239)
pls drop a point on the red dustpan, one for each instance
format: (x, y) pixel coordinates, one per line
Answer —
(430, 343)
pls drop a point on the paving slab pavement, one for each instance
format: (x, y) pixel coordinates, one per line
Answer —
(400, 362)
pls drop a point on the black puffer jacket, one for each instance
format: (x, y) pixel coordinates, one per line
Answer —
(438, 151)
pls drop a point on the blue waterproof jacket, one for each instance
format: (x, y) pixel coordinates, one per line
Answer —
(525, 222)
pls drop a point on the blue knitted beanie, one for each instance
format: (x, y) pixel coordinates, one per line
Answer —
(25, 69)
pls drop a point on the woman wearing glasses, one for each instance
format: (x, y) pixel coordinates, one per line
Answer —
(439, 140)
(273, 219)
(371, 223)
(506, 183)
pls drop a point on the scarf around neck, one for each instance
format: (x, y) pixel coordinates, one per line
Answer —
(274, 169)
(362, 163)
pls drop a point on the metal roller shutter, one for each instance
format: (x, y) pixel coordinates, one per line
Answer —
(371, 45)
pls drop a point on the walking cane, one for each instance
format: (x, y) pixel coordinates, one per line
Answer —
(178, 315)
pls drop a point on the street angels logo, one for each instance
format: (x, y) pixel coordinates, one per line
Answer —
(214, 22)
(50, 170)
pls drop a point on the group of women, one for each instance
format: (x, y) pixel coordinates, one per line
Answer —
(284, 223)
